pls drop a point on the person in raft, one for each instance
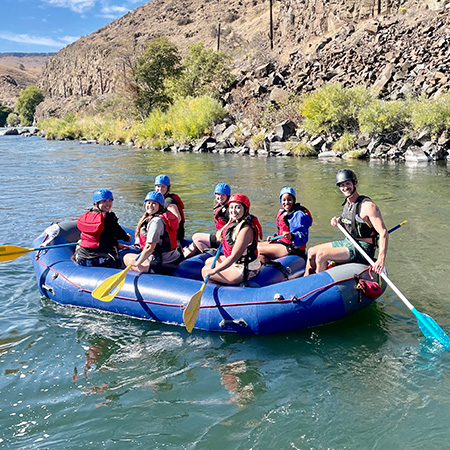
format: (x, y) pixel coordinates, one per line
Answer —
(239, 238)
(293, 221)
(100, 233)
(156, 233)
(362, 219)
(172, 202)
(203, 241)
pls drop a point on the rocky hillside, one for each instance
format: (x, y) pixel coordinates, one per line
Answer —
(395, 45)
(396, 55)
(17, 71)
(96, 64)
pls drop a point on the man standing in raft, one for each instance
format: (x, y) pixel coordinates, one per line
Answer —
(362, 219)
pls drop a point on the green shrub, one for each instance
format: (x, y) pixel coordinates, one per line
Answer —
(333, 107)
(188, 118)
(431, 115)
(27, 102)
(301, 149)
(257, 140)
(204, 72)
(382, 116)
(147, 83)
(12, 120)
(5, 112)
(345, 143)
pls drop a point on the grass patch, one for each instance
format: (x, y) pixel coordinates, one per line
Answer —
(345, 143)
(301, 149)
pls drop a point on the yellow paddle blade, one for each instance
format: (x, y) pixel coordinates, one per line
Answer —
(190, 313)
(10, 252)
(111, 286)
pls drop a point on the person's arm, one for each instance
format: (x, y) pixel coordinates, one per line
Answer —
(171, 205)
(244, 239)
(299, 228)
(147, 251)
(155, 230)
(370, 212)
(119, 233)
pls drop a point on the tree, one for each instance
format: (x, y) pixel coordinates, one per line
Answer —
(205, 72)
(4, 111)
(159, 63)
(12, 120)
(26, 105)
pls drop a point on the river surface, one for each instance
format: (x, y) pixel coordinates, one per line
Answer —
(76, 379)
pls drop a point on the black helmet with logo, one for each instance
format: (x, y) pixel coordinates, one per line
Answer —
(345, 175)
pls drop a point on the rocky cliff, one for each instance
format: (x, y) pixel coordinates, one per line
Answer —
(386, 43)
(17, 71)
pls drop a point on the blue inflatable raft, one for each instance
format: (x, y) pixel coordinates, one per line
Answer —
(278, 299)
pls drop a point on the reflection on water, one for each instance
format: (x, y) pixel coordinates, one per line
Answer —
(86, 378)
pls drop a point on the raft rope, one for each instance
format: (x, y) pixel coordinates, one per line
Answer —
(293, 299)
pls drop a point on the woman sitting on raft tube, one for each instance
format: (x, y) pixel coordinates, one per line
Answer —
(293, 221)
(239, 238)
(100, 233)
(156, 233)
(203, 241)
(172, 202)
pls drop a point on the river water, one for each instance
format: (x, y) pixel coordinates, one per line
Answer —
(79, 379)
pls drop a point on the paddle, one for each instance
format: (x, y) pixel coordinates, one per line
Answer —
(274, 238)
(107, 290)
(10, 252)
(427, 324)
(190, 313)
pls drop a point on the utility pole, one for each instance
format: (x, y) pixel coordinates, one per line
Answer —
(271, 25)
(218, 26)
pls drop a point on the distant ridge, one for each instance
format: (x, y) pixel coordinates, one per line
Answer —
(22, 55)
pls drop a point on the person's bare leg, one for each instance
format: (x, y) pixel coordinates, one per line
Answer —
(268, 251)
(338, 254)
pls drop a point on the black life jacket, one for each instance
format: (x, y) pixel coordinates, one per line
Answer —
(251, 252)
(349, 220)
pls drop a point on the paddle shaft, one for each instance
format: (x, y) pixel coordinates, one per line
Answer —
(15, 251)
(371, 262)
(192, 308)
(212, 266)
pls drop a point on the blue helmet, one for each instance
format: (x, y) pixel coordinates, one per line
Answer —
(101, 194)
(222, 188)
(155, 196)
(287, 190)
(162, 179)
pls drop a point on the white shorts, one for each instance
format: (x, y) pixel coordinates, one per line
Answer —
(253, 268)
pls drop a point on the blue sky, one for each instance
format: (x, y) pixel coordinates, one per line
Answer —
(32, 26)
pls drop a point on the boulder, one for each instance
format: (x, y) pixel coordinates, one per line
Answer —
(416, 154)
(285, 130)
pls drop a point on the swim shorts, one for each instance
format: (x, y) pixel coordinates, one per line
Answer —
(355, 256)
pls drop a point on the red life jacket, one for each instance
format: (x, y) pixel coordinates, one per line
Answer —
(221, 216)
(169, 238)
(228, 242)
(91, 224)
(180, 204)
(283, 217)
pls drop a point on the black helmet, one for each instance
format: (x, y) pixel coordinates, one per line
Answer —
(345, 175)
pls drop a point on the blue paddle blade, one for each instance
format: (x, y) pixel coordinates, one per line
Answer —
(431, 329)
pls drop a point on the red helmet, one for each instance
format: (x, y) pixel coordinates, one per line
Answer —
(240, 198)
